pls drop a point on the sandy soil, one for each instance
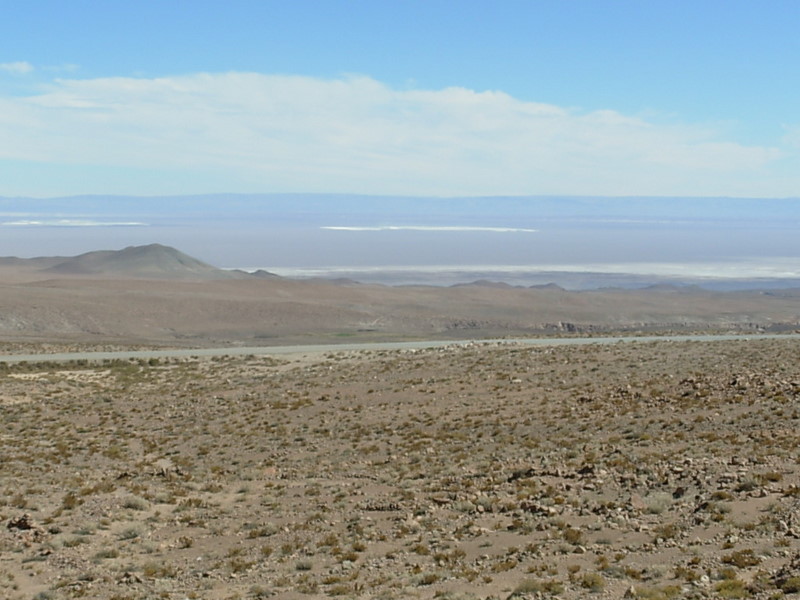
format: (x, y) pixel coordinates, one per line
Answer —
(658, 470)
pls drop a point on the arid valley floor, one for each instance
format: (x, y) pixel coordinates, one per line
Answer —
(640, 470)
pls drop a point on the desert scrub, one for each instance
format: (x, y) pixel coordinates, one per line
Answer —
(303, 565)
(130, 533)
(426, 579)
(686, 573)
(658, 502)
(593, 582)
(70, 501)
(330, 540)
(72, 542)
(666, 531)
(504, 565)
(732, 588)
(239, 565)
(748, 484)
(791, 585)
(573, 536)
(741, 559)
(259, 531)
(664, 592)
(158, 570)
(135, 503)
(769, 477)
(259, 592)
(551, 587)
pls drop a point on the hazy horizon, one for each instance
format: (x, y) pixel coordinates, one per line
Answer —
(401, 240)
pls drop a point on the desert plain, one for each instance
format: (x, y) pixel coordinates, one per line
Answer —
(650, 469)
(156, 295)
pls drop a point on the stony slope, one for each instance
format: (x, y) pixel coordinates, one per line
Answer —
(645, 470)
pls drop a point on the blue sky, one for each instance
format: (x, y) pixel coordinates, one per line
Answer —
(408, 97)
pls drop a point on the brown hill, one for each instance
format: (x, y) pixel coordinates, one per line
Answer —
(151, 261)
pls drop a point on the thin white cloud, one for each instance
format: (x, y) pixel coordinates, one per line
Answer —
(17, 68)
(437, 228)
(70, 223)
(255, 132)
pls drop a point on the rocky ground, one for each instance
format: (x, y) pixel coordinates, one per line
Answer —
(640, 470)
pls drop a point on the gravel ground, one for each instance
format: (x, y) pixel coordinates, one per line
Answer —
(659, 470)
